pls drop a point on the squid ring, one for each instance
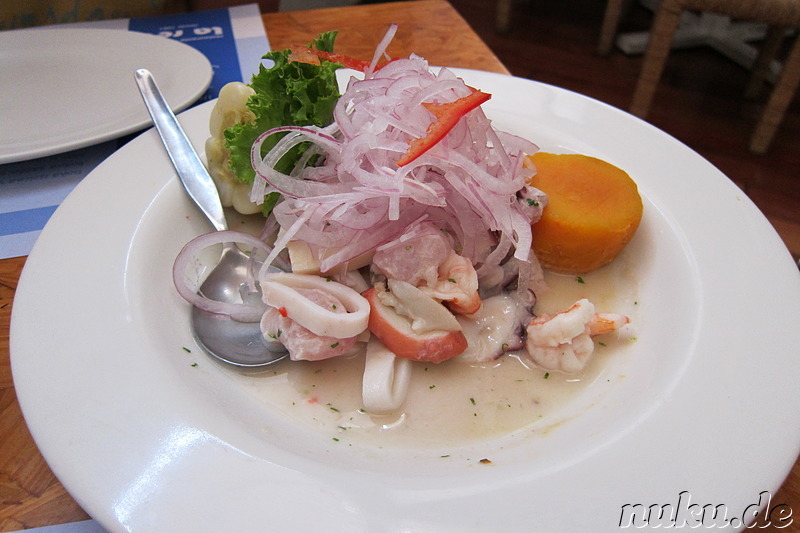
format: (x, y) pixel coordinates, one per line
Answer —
(280, 291)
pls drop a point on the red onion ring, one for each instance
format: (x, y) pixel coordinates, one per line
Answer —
(241, 312)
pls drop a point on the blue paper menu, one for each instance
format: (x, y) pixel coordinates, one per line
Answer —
(233, 39)
(213, 33)
(210, 32)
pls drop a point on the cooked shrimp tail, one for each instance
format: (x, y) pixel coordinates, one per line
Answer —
(563, 342)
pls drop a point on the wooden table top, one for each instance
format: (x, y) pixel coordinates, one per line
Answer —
(30, 495)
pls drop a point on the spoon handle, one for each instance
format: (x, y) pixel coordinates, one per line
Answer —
(187, 163)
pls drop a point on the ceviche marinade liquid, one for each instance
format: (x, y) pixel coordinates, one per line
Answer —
(452, 403)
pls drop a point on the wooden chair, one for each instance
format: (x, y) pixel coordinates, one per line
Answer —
(502, 16)
(780, 15)
(615, 10)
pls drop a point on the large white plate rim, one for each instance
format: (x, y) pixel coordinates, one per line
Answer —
(605, 477)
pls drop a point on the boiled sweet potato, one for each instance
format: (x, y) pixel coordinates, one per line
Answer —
(593, 211)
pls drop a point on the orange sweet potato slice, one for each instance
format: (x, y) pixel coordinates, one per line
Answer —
(593, 211)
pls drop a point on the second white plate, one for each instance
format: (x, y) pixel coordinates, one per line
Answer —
(64, 89)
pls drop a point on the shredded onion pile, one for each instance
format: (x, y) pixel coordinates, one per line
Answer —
(347, 196)
(358, 199)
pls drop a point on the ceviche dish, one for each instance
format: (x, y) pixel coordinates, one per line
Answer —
(411, 256)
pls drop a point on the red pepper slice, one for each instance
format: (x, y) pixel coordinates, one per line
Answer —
(447, 116)
(304, 54)
(345, 61)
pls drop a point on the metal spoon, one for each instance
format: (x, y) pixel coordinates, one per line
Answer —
(231, 341)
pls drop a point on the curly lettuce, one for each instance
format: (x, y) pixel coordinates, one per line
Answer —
(290, 93)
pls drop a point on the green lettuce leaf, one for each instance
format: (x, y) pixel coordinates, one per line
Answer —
(287, 94)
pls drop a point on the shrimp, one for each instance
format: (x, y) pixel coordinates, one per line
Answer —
(429, 262)
(457, 285)
(563, 342)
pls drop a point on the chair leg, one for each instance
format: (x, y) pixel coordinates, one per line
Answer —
(778, 102)
(503, 16)
(767, 54)
(608, 31)
(658, 47)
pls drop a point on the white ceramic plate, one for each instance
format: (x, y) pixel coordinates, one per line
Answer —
(706, 401)
(64, 89)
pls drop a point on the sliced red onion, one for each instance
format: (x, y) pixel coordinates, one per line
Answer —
(380, 50)
(242, 312)
(280, 244)
(357, 199)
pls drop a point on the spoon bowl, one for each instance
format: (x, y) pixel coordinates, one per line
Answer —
(234, 342)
